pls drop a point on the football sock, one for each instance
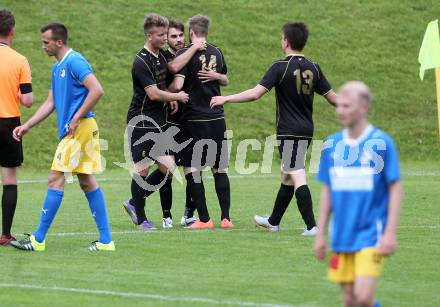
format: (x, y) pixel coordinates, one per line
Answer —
(166, 198)
(284, 196)
(189, 204)
(99, 213)
(305, 205)
(51, 205)
(9, 203)
(198, 195)
(153, 180)
(138, 199)
(223, 191)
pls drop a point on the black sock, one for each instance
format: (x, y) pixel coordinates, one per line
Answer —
(197, 191)
(189, 204)
(166, 198)
(153, 180)
(9, 203)
(305, 206)
(284, 196)
(223, 193)
(138, 198)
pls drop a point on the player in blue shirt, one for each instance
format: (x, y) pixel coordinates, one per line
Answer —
(360, 172)
(74, 92)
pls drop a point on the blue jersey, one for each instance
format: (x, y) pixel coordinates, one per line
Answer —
(67, 89)
(358, 174)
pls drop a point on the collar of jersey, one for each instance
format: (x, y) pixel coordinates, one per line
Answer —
(154, 54)
(295, 54)
(360, 139)
(65, 56)
(171, 51)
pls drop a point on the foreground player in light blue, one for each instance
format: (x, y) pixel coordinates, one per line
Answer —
(360, 172)
(74, 92)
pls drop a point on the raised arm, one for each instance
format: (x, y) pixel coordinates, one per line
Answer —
(388, 243)
(180, 61)
(324, 214)
(245, 96)
(43, 111)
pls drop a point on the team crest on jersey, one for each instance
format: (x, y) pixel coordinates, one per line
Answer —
(63, 73)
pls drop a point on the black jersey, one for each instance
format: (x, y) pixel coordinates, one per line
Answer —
(296, 79)
(148, 70)
(174, 119)
(200, 94)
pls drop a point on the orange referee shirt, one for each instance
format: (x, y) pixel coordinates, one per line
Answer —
(14, 72)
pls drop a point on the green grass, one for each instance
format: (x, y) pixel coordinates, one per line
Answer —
(241, 265)
(374, 41)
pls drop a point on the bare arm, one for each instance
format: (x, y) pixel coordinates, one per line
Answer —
(43, 111)
(324, 215)
(177, 84)
(331, 97)
(95, 93)
(388, 243)
(180, 61)
(27, 99)
(248, 95)
(158, 95)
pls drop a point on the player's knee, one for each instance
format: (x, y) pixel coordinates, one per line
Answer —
(348, 299)
(143, 173)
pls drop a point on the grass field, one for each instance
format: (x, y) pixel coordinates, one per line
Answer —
(245, 266)
(375, 41)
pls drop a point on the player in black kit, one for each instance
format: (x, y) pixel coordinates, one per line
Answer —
(295, 79)
(201, 78)
(147, 119)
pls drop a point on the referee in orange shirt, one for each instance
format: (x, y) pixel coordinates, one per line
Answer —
(15, 88)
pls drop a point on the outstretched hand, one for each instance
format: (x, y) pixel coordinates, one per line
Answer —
(217, 101)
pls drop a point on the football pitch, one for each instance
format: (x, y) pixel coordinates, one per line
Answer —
(245, 266)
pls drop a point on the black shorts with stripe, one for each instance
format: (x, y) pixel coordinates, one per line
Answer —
(293, 152)
(208, 146)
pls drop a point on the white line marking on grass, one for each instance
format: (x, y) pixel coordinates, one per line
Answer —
(261, 176)
(67, 234)
(159, 297)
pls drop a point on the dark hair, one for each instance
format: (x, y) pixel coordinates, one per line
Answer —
(7, 22)
(59, 31)
(176, 25)
(199, 24)
(154, 20)
(296, 34)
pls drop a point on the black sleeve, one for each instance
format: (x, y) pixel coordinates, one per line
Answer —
(272, 76)
(184, 70)
(26, 88)
(223, 69)
(143, 73)
(322, 85)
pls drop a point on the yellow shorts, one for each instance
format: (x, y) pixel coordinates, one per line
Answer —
(80, 154)
(345, 267)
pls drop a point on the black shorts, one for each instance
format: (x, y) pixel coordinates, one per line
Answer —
(208, 146)
(11, 151)
(293, 152)
(147, 143)
(178, 137)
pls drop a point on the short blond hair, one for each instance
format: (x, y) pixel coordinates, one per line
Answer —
(154, 20)
(199, 24)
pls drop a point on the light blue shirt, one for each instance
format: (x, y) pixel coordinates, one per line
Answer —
(68, 90)
(358, 174)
